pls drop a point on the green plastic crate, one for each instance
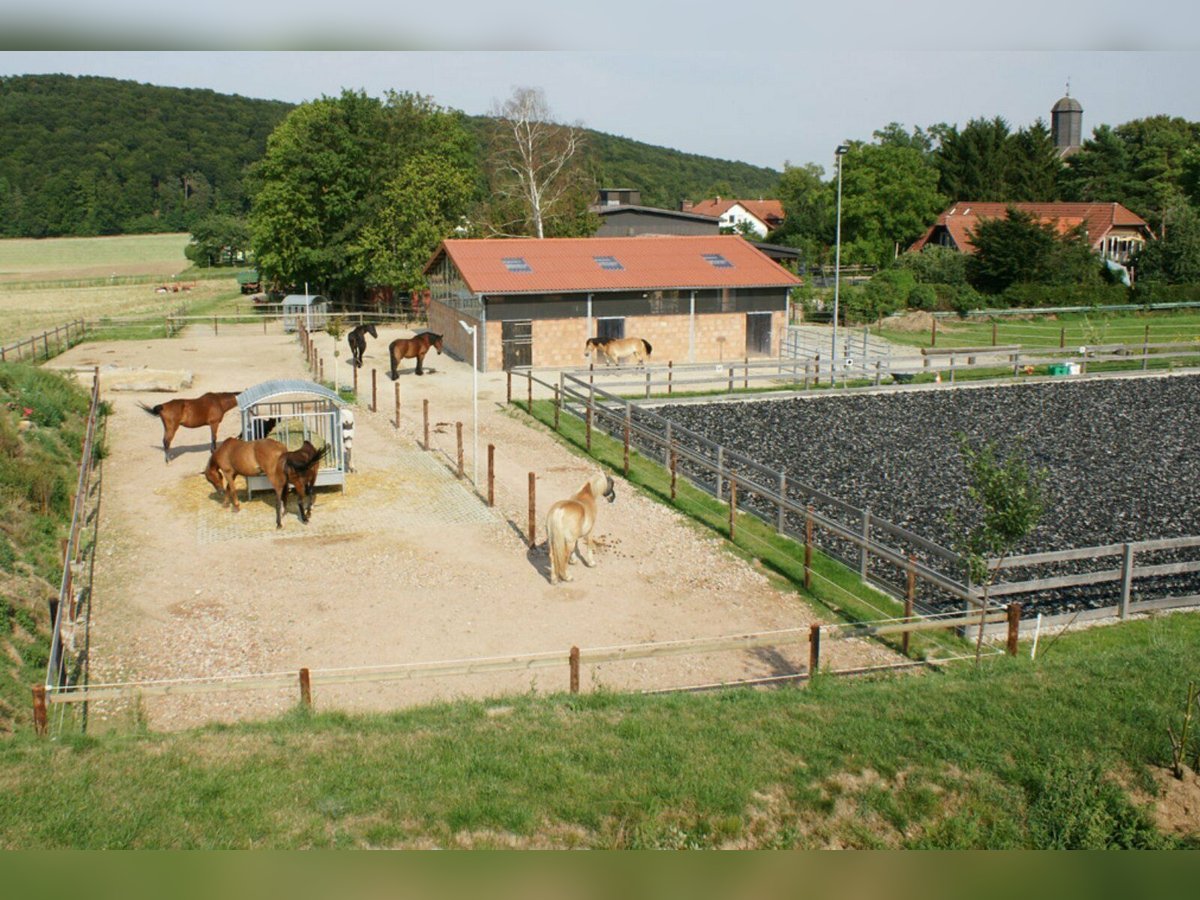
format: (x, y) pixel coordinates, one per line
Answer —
(1060, 369)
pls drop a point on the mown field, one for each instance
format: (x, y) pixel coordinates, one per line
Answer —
(1065, 751)
(44, 283)
(1049, 331)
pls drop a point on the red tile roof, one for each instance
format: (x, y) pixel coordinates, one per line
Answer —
(1098, 220)
(769, 212)
(569, 264)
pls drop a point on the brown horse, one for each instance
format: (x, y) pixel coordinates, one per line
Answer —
(413, 347)
(571, 521)
(207, 409)
(358, 342)
(297, 468)
(617, 349)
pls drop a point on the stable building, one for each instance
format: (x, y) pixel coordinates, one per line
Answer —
(536, 302)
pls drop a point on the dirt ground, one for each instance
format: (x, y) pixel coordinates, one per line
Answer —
(408, 564)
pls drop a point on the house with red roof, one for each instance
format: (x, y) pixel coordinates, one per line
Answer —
(762, 216)
(536, 302)
(1114, 232)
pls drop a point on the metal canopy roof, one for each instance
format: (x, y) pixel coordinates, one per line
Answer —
(277, 388)
(303, 299)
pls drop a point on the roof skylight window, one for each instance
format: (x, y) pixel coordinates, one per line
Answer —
(717, 261)
(609, 263)
(516, 264)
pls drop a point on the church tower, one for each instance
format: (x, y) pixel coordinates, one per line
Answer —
(1066, 124)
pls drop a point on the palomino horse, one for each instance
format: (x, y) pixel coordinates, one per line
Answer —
(297, 468)
(570, 521)
(207, 409)
(617, 349)
(408, 348)
(358, 342)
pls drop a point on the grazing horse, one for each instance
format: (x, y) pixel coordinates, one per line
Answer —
(617, 349)
(570, 521)
(408, 348)
(207, 409)
(358, 342)
(297, 468)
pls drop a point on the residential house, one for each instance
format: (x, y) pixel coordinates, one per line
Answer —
(763, 216)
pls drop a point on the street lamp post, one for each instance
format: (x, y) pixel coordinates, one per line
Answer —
(473, 330)
(841, 151)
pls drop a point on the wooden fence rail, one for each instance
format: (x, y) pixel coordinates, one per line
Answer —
(39, 346)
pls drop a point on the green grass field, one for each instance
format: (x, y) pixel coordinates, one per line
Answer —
(1067, 330)
(1049, 754)
(44, 283)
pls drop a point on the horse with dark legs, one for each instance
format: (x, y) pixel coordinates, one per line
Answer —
(615, 350)
(207, 409)
(297, 469)
(358, 342)
(413, 348)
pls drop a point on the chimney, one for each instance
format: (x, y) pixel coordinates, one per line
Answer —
(685, 205)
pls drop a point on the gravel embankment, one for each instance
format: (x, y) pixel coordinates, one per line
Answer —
(1120, 457)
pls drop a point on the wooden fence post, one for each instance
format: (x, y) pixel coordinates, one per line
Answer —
(458, 433)
(557, 406)
(356, 382)
(425, 406)
(780, 524)
(670, 375)
(39, 710)
(732, 507)
(396, 388)
(589, 427)
(1062, 337)
(573, 659)
(305, 689)
(933, 333)
(508, 389)
(1014, 628)
(374, 392)
(814, 649)
(808, 547)
(529, 396)
(1126, 580)
(626, 440)
(674, 473)
(864, 553)
(491, 474)
(532, 510)
(910, 596)
(321, 369)
(993, 332)
(720, 473)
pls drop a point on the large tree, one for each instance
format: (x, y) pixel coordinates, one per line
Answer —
(986, 161)
(338, 174)
(1021, 249)
(537, 181)
(808, 211)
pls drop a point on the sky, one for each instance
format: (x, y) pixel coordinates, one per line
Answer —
(768, 84)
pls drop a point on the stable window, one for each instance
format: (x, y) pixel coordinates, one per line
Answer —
(610, 328)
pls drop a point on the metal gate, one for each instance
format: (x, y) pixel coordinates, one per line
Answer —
(758, 334)
(516, 340)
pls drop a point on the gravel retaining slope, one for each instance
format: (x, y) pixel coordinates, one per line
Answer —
(1120, 454)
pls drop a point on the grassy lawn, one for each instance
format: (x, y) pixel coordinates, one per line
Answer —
(28, 259)
(1070, 329)
(1015, 754)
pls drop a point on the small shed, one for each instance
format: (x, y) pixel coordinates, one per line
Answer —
(302, 411)
(309, 310)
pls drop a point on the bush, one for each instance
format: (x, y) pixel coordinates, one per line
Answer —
(922, 296)
(1156, 292)
(1042, 295)
(936, 265)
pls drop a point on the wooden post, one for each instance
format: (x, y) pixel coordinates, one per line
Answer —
(814, 649)
(46, 344)
(779, 522)
(491, 474)
(720, 473)
(1126, 580)
(1014, 628)
(458, 432)
(863, 552)
(589, 428)
(745, 373)
(808, 547)
(321, 369)
(670, 375)
(532, 510)
(647, 382)
(673, 474)
(993, 332)
(557, 407)
(910, 596)
(627, 441)
(214, 324)
(1062, 337)
(39, 710)
(933, 334)
(508, 389)
(573, 658)
(356, 382)
(374, 391)
(731, 379)
(425, 406)
(732, 507)
(305, 689)
(529, 398)
(396, 389)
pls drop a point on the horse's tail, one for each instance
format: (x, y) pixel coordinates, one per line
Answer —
(556, 544)
(297, 466)
(646, 344)
(151, 410)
